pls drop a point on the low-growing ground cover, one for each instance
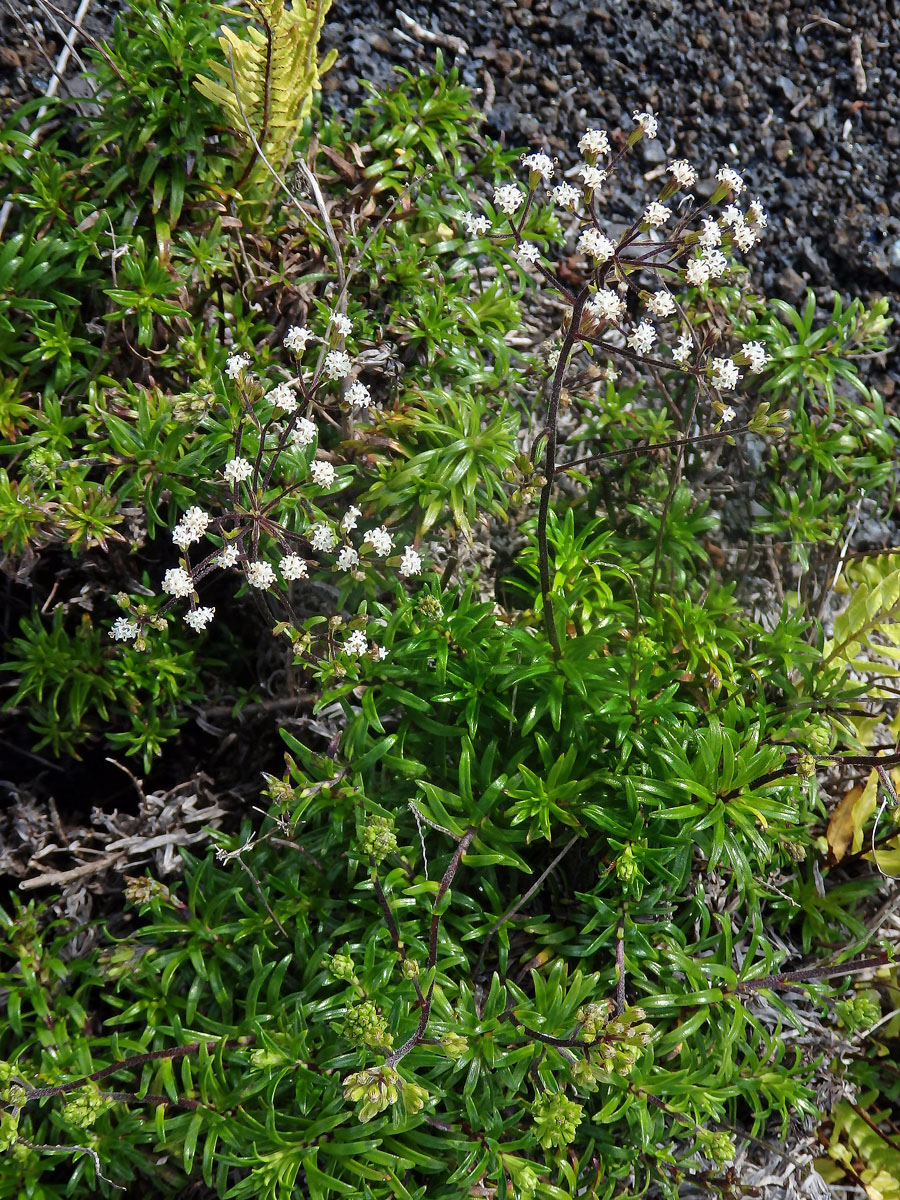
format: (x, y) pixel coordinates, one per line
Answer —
(570, 875)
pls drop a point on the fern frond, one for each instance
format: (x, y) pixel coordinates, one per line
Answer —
(873, 612)
(871, 569)
(276, 71)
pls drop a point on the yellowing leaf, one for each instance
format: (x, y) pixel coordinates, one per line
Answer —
(845, 826)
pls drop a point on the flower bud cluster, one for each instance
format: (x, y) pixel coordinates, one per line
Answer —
(378, 838)
(616, 1043)
(556, 1119)
(341, 967)
(83, 1107)
(379, 1088)
(366, 1026)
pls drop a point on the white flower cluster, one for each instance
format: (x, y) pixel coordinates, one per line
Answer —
(260, 575)
(539, 164)
(682, 173)
(322, 473)
(337, 365)
(725, 374)
(606, 305)
(565, 195)
(237, 470)
(593, 143)
(236, 364)
(297, 338)
(643, 338)
(191, 527)
(476, 224)
(199, 618)
(177, 582)
(358, 395)
(303, 434)
(595, 245)
(380, 540)
(123, 630)
(647, 122)
(593, 177)
(284, 397)
(293, 567)
(508, 198)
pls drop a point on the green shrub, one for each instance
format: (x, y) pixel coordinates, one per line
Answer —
(526, 912)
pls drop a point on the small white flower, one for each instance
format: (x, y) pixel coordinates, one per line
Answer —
(380, 540)
(341, 325)
(337, 365)
(756, 356)
(476, 224)
(682, 172)
(745, 237)
(199, 618)
(284, 397)
(323, 537)
(565, 195)
(593, 177)
(607, 305)
(716, 264)
(594, 141)
(728, 414)
(358, 395)
(410, 563)
(260, 575)
(756, 214)
(381, 652)
(553, 357)
(293, 567)
(697, 272)
(296, 338)
(731, 179)
(322, 473)
(682, 351)
(237, 470)
(725, 374)
(711, 235)
(656, 214)
(347, 559)
(527, 253)
(235, 364)
(348, 520)
(508, 198)
(661, 304)
(356, 644)
(647, 122)
(732, 215)
(177, 582)
(123, 630)
(304, 433)
(595, 245)
(228, 557)
(182, 537)
(641, 341)
(539, 164)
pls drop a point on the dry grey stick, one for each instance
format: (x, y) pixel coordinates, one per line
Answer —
(447, 40)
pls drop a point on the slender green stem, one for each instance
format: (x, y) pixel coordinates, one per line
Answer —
(550, 464)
